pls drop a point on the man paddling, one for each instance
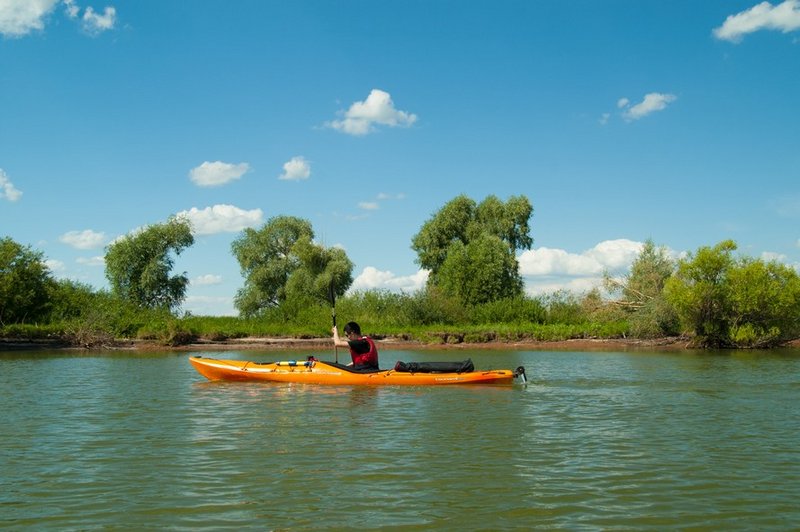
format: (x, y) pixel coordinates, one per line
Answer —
(362, 348)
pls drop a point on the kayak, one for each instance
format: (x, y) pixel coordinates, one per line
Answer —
(321, 372)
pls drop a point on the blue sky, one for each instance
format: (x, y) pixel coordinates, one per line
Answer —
(619, 120)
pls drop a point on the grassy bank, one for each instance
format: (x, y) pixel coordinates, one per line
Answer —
(426, 320)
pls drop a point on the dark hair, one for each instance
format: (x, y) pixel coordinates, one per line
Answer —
(352, 327)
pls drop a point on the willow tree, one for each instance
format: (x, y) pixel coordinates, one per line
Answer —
(735, 302)
(25, 283)
(138, 265)
(469, 248)
(280, 262)
(641, 293)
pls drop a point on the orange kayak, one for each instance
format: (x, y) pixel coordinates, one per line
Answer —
(320, 372)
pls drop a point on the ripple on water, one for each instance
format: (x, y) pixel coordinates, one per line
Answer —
(596, 441)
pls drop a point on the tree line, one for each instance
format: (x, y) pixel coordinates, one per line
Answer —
(469, 248)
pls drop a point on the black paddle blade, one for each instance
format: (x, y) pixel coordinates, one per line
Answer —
(332, 294)
(332, 299)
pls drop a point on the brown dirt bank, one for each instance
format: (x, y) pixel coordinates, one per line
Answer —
(288, 344)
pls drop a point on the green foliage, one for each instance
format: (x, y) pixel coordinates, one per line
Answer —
(469, 248)
(483, 270)
(765, 303)
(563, 307)
(516, 310)
(642, 294)
(71, 299)
(25, 284)
(282, 266)
(729, 302)
(138, 266)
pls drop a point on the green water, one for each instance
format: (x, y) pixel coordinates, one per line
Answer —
(596, 441)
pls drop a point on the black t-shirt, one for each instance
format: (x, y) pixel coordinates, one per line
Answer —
(359, 346)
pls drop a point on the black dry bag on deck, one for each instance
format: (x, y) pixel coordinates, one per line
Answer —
(435, 367)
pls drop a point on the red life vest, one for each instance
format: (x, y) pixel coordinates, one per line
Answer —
(365, 358)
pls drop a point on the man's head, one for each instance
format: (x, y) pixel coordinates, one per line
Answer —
(352, 328)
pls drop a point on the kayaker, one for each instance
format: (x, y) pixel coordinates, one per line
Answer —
(362, 347)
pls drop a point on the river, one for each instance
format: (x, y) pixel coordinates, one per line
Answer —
(595, 441)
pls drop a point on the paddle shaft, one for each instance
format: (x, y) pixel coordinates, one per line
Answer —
(332, 296)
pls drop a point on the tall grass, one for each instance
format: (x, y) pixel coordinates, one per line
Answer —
(425, 316)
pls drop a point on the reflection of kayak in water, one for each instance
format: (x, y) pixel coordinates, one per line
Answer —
(319, 372)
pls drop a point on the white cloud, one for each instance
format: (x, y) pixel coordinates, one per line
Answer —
(783, 17)
(296, 169)
(217, 173)
(385, 196)
(55, 266)
(369, 205)
(769, 256)
(208, 279)
(92, 261)
(546, 269)
(95, 23)
(221, 219)
(655, 101)
(623, 102)
(20, 17)
(87, 239)
(579, 285)
(210, 306)
(604, 118)
(71, 8)
(615, 255)
(378, 109)
(7, 189)
(372, 278)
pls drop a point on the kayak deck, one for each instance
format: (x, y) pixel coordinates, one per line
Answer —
(320, 372)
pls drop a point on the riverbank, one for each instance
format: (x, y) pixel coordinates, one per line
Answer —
(306, 344)
(389, 343)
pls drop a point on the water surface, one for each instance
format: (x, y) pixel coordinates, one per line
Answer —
(596, 441)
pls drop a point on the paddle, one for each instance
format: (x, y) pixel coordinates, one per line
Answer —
(332, 299)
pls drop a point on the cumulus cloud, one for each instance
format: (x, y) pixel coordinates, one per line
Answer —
(372, 278)
(55, 266)
(217, 173)
(92, 261)
(547, 269)
(210, 306)
(87, 239)
(369, 205)
(655, 101)
(208, 279)
(7, 189)
(784, 17)
(770, 256)
(296, 169)
(221, 219)
(95, 23)
(21, 17)
(378, 109)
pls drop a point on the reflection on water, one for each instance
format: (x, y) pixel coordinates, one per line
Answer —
(596, 440)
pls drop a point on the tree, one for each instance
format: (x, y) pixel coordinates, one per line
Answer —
(138, 266)
(642, 293)
(699, 292)
(730, 302)
(465, 244)
(481, 271)
(25, 283)
(280, 261)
